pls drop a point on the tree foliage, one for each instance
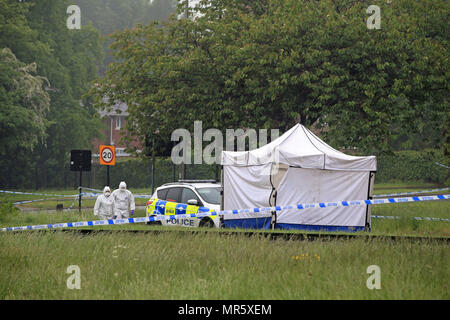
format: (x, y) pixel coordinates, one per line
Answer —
(66, 62)
(273, 63)
(24, 104)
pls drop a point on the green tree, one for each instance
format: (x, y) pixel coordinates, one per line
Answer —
(270, 64)
(24, 104)
(70, 68)
(37, 34)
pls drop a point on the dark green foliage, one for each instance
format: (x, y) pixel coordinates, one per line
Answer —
(413, 166)
(59, 64)
(271, 64)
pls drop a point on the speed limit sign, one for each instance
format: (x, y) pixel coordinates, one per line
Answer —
(108, 155)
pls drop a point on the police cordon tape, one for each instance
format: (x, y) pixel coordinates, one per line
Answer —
(415, 218)
(76, 196)
(442, 165)
(160, 206)
(409, 193)
(37, 194)
(94, 194)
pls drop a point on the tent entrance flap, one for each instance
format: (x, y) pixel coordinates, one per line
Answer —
(277, 173)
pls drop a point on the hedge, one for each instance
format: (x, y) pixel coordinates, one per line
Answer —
(413, 166)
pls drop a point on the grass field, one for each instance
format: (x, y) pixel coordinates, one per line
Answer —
(216, 265)
(213, 266)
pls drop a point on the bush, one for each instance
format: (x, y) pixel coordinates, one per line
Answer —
(7, 212)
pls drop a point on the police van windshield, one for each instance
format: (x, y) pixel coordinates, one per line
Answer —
(210, 195)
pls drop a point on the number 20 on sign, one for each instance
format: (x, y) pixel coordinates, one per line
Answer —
(108, 155)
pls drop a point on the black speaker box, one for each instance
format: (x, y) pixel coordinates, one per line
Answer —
(80, 160)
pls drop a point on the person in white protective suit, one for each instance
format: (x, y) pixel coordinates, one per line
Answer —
(123, 201)
(104, 205)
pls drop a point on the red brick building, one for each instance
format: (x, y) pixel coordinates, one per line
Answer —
(115, 121)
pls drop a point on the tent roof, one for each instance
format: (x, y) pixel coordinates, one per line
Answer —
(299, 147)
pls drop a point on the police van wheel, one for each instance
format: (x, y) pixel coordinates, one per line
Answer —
(207, 223)
(154, 223)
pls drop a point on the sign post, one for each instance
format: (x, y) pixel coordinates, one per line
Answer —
(107, 158)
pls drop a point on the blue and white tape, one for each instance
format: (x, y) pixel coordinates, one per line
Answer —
(442, 165)
(409, 193)
(76, 196)
(144, 196)
(36, 194)
(349, 203)
(415, 218)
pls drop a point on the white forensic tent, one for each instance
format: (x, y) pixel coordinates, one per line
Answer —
(298, 167)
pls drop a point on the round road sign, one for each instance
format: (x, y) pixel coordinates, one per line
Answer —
(107, 155)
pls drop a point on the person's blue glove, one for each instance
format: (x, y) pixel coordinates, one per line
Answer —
(132, 212)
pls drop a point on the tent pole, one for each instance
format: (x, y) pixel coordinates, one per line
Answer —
(222, 222)
(369, 197)
(273, 218)
(273, 221)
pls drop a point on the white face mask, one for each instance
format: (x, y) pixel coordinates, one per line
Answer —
(107, 194)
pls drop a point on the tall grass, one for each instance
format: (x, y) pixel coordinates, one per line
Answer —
(215, 266)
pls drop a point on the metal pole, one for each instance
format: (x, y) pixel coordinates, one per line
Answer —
(368, 226)
(153, 165)
(107, 176)
(187, 9)
(222, 221)
(79, 192)
(173, 172)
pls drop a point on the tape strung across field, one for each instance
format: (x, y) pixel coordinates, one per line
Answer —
(441, 165)
(38, 194)
(76, 196)
(231, 212)
(415, 218)
(95, 194)
(408, 193)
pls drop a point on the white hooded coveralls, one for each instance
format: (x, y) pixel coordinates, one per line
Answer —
(104, 205)
(123, 202)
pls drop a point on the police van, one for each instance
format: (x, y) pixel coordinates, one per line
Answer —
(199, 193)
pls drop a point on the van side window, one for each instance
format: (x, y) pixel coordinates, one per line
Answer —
(161, 194)
(174, 194)
(188, 194)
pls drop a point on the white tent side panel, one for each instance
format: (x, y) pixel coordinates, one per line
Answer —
(245, 188)
(314, 186)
